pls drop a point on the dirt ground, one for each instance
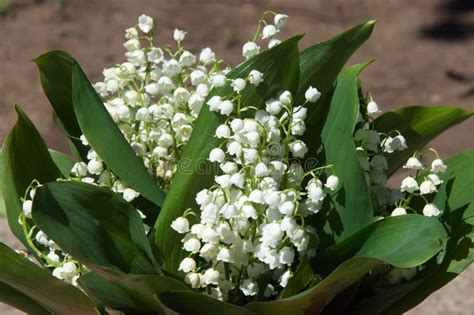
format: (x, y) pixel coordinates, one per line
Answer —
(424, 51)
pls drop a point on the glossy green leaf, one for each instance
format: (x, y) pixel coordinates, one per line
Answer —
(351, 208)
(192, 303)
(140, 292)
(25, 158)
(63, 161)
(18, 300)
(94, 225)
(280, 68)
(55, 69)
(107, 140)
(320, 65)
(54, 295)
(459, 250)
(404, 242)
(419, 125)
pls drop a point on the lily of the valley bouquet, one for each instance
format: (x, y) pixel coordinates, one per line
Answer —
(198, 188)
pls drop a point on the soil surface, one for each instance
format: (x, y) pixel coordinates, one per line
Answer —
(423, 49)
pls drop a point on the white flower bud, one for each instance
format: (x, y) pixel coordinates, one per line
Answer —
(435, 179)
(287, 256)
(95, 167)
(431, 210)
(130, 194)
(280, 20)
(79, 169)
(192, 245)
(145, 23)
(298, 148)
(398, 211)
(192, 279)
(211, 276)
(155, 55)
(249, 287)
(413, 164)
(427, 187)
(238, 85)
(250, 49)
(178, 35)
(269, 31)
(438, 166)
(217, 155)
(187, 59)
(273, 106)
(255, 77)
(187, 265)
(312, 94)
(223, 131)
(249, 211)
(218, 80)
(287, 208)
(225, 255)
(132, 44)
(180, 225)
(208, 251)
(286, 98)
(273, 42)
(409, 185)
(226, 107)
(332, 182)
(207, 56)
(372, 108)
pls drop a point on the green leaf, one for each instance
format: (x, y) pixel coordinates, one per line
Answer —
(352, 206)
(54, 295)
(107, 140)
(94, 225)
(63, 161)
(280, 68)
(3, 210)
(459, 253)
(18, 300)
(141, 292)
(403, 242)
(320, 65)
(192, 303)
(55, 69)
(419, 125)
(25, 158)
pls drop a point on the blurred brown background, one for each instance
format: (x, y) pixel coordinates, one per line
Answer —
(424, 51)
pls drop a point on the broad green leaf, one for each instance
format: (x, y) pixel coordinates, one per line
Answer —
(18, 300)
(63, 161)
(403, 242)
(419, 125)
(320, 65)
(55, 69)
(94, 225)
(107, 140)
(352, 207)
(192, 303)
(459, 250)
(25, 158)
(54, 295)
(280, 68)
(142, 290)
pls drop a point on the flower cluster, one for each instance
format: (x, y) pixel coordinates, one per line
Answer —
(422, 183)
(155, 96)
(251, 227)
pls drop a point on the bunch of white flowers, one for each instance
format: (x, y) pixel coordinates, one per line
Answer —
(422, 183)
(155, 96)
(371, 146)
(269, 31)
(251, 228)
